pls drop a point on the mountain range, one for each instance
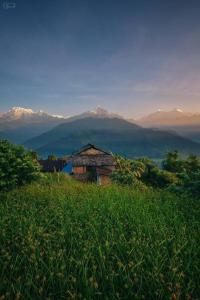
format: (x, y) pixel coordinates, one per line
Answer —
(184, 123)
(60, 135)
(20, 124)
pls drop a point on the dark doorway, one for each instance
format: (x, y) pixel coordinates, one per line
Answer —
(92, 174)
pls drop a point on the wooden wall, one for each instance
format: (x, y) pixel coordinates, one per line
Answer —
(104, 180)
(79, 170)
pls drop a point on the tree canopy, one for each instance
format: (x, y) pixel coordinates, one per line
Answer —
(177, 173)
(17, 166)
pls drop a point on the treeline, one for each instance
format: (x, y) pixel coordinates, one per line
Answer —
(182, 175)
(176, 174)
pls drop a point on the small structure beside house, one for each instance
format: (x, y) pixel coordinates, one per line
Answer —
(93, 164)
(57, 165)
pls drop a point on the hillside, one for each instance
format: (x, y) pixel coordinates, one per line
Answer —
(65, 240)
(20, 124)
(114, 134)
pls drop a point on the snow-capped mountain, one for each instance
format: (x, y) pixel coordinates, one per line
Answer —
(19, 124)
(102, 113)
(184, 123)
(116, 134)
(27, 115)
(97, 112)
(169, 118)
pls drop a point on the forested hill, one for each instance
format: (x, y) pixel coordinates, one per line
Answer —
(117, 135)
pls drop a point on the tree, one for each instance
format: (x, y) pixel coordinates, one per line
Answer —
(192, 164)
(173, 163)
(17, 166)
(143, 171)
(127, 171)
(52, 157)
(34, 155)
(186, 170)
(162, 178)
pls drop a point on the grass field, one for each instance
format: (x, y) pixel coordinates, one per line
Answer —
(65, 240)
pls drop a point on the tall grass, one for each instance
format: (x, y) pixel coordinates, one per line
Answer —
(64, 240)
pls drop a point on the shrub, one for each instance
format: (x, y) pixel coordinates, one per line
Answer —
(52, 157)
(142, 171)
(173, 163)
(191, 183)
(162, 178)
(17, 166)
(122, 177)
(186, 170)
(127, 171)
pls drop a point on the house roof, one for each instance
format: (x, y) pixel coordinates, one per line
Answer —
(89, 146)
(52, 165)
(103, 158)
(93, 160)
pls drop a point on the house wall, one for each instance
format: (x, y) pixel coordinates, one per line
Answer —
(104, 180)
(79, 170)
(81, 177)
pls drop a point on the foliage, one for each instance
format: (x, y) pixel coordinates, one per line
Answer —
(191, 183)
(128, 172)
(160, 178)
(17, 166)
(142, 170)
(173, 163)
(52, 157)
(177, 174)
(187, 170)
(64, 240)
(34, 155)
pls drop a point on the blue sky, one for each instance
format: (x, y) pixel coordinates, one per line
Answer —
(128, 56)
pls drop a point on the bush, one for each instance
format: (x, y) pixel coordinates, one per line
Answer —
(173, 163)
(127, 171)
(142, 171)
(52, 157)
(186, 170)
(122, 177)
(17, 166)
(162, 178)
(191, 183)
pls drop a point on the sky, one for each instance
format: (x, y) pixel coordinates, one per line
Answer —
(128, 56)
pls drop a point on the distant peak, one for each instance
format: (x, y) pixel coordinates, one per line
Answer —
(17, 109)
(17, 113)
(59, 116)
(173, 110)
(178, 110)
(100, 110)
